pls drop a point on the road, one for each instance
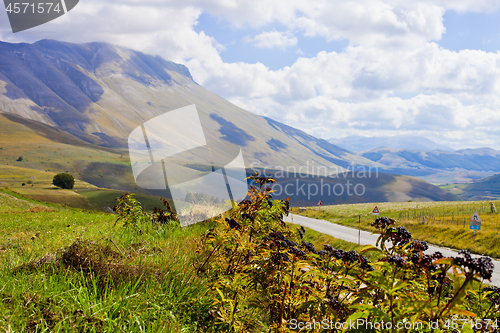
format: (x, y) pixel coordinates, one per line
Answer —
(351, 235)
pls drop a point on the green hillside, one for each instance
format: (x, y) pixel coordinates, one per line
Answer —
(39, 189)
(48, 149)
(482, 189)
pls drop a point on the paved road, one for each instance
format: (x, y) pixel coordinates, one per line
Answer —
(351, 235)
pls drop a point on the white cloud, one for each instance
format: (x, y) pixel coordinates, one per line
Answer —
(391, 49)
(273, 39)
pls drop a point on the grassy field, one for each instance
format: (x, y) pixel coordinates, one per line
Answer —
(153, 288)
(446, 223)
(46, 149)
(38, 186)
(68, 269)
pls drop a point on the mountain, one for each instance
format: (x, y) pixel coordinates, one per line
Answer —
(71, 107)
(470, 159)
(361, 143)
(438, 166)
(100, 93)
(487, 188)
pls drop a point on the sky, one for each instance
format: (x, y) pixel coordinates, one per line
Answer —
(331, 68)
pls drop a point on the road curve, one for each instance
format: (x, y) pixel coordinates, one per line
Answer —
(351, 235)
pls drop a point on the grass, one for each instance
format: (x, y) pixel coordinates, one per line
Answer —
(105, 198)
(67, 269)
(46, 149)
(444, 221)
(38, 186)
(145, 281)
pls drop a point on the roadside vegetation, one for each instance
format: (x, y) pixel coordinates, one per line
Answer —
(64, 269)
(440, 223)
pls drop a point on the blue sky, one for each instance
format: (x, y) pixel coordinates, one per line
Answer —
(237, 48)
(332, 68)
(476, 31)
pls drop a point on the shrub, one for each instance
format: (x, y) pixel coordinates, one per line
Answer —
(265, 277)
(130, 212)
(64, 180)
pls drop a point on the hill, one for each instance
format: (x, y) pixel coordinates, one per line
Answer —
(487, 188)
(356, 187)
(46, 150)
(438, 166)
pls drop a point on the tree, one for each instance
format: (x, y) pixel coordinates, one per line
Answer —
(64, 180)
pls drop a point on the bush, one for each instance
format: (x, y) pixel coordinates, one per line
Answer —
(131, 213)
(64, 180)
(265, 277)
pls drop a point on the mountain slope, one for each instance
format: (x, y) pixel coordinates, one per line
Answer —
(470, 159)
(100, 93)
(361, 143)
(71, 107)
(482, 189)
(46, 148)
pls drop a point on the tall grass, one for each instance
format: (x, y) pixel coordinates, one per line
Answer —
(148, 283)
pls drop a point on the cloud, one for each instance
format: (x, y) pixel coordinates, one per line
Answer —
(273, 39)
(391, 49)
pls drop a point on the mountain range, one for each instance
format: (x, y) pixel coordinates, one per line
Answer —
(71, 107)
(359, 143)
(438, 166)
(421, 157)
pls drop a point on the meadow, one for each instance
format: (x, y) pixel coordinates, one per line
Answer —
(69, 269)
(67, 265)
(38, 186)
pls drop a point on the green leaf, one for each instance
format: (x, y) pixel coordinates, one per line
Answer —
(398, 286)
(357, 315)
